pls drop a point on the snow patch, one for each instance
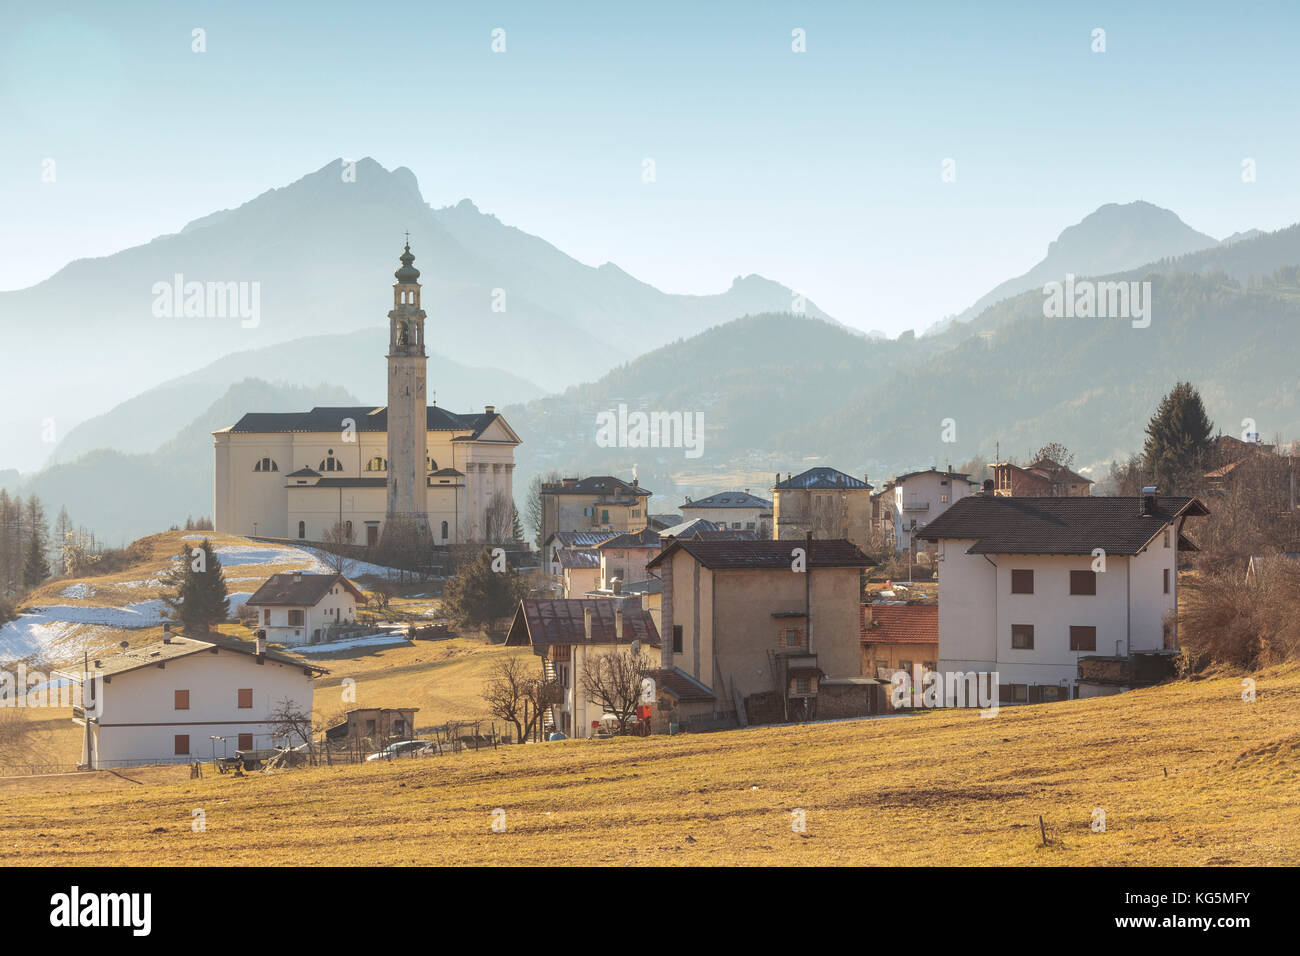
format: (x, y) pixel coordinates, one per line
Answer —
(366, 640)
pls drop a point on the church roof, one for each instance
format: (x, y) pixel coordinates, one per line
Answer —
(368, 418)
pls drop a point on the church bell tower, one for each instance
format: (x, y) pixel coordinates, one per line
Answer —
(407, 511)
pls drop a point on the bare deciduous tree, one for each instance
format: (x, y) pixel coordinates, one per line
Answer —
(515, 695)
(337, 540)
(290, 720)
(614, 681)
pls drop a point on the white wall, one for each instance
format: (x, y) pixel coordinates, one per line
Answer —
(139, 721)
(977, 610)
(928, 488)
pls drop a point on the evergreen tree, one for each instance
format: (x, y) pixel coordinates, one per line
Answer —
(36, 568)
(1178, 438)
(516, 526)
(199, 598)
(477, 595)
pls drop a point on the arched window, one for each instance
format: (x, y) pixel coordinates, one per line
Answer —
(266, 464)
(302, 529)
(330, 463)
(378, 463)
(444, 531)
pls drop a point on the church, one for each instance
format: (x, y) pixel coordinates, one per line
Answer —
(407, 465)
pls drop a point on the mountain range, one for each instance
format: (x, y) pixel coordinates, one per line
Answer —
(318, 254)
(777, 391)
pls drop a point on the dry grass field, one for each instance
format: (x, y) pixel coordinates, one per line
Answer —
(1186, 773)
(442, 678)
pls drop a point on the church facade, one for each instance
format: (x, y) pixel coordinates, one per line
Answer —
(371, 470)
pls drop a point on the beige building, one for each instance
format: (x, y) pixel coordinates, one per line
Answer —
(298, 474)
(823, 502)
(735, 510)
(778, 643)
(598, 503)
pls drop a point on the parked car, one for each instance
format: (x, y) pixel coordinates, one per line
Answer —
(403, 748)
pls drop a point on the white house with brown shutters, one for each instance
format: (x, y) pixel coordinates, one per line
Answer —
(301, 608)
(183, 699)
(1039, 589)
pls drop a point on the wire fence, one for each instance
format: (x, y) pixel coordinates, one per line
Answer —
(454, 737)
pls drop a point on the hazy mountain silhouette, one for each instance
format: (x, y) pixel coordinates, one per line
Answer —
(142, 423)
(1113, 238)
(322, 251)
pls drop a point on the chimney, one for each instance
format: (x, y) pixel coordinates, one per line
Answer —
(618, 624)
(297, 577)
(586, 622)
(261, 643)
(616, 585)
(167, 632)
(490, 409)
(988, 486)
(778, 479)
(1149, 501)
(950, 468)
(634, 481)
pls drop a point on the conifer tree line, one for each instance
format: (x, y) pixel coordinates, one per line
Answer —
(30, 550)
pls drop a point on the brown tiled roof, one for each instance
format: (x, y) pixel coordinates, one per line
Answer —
(680, 685)
(1057, 525)
(561, 621)
(572, 558)
(740, 555)
(899, 623)
(293, 589)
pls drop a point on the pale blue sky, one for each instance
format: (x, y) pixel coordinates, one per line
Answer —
(820, 170)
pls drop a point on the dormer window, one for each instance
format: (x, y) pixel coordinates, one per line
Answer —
(378, 463)
(330, 463)
(266, 464)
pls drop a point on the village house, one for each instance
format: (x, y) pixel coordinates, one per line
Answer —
(898, 637)
(301, 608)
(737, 510)
(567, 635)
(1049, 592)
(825, 503)
(913, 500)
(575, 571)
(769, 642)
(597, 503)
(183, 699)
(1042, 479)
(623, 558)
(573, 561)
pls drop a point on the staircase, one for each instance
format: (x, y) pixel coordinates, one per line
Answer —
(548, 717)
